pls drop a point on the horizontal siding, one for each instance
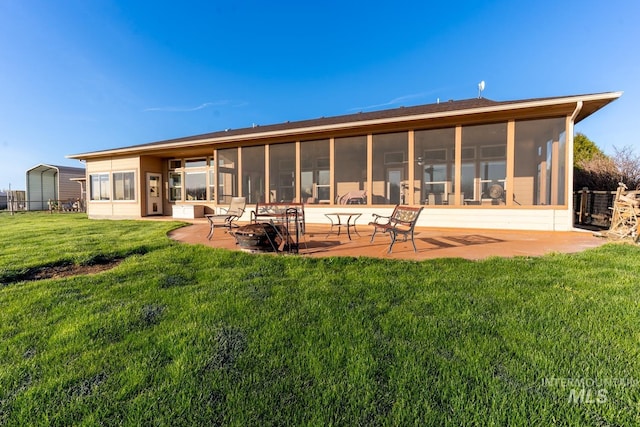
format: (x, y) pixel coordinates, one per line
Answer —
(488, 218)
(507, 219)
(125, 164)
(108, 165)
(99, 210)
(98, 166)
(69, 190)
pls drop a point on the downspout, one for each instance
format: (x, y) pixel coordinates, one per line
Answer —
(577, 110)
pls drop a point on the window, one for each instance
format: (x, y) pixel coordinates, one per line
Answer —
(195, 179)
(195, 163)
(124, 186)
(282, 176)
(253, 176)
(350, 168)
(539, 162)
(195, 185)
(493, 151)
(191, 179)
(392, 158)
(487, 172)
(212, 186)
(434, 172)
(175, 186)
(99, 186)
(439, 154)
(227, 174)
(389, 168)
(492, 173)
(314, 173)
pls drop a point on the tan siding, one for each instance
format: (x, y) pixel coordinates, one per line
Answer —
(99, 210)
(94, 166)
(116, 209)
(125, 164)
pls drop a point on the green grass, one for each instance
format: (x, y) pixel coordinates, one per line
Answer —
(189, 335)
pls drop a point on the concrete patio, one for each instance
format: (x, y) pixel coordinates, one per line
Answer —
(470, 244)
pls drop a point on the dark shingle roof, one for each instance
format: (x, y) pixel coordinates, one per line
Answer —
(441, 107)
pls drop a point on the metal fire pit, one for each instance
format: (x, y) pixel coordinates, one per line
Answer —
(260, 237)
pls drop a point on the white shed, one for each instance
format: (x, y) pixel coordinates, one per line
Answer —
(53, 183)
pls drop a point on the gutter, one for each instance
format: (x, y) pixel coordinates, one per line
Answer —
(579, 105)
(570, 148)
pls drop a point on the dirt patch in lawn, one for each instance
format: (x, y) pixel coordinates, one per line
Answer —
(60, 271)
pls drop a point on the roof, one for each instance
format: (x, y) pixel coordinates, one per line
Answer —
(43, 168)
(588, 104)
(349, 118)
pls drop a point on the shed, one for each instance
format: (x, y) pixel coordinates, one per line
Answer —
(51, 182)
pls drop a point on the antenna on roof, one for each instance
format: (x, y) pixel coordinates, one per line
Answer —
(480, 89)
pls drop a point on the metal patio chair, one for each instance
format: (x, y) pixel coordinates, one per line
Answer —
(229, 217)
(401, 222)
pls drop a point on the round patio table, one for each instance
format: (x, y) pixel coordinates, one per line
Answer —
(343, 219)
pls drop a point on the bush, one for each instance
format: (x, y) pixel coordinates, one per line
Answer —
(604, 173)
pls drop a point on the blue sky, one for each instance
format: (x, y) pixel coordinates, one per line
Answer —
(86, 75)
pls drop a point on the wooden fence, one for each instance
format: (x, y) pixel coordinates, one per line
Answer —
(15, 201)
(593, 208)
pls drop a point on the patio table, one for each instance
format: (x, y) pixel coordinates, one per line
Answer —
(343, 219)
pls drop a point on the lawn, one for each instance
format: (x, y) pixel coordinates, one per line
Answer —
(189, 335)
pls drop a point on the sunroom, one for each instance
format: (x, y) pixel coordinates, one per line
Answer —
(474, 163)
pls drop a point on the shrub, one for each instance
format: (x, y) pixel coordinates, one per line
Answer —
(604, 173)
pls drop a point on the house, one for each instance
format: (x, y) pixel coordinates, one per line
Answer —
(51, 184)
(472, 163)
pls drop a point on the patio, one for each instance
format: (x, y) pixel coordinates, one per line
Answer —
(470, 244)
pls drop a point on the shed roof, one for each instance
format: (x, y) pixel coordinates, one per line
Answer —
(589, 104)
(43, 168)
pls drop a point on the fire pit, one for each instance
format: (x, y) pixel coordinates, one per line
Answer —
(260, 237)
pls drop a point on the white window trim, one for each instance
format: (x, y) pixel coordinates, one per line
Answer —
(135, 190)
(91, 199)
(184, 170)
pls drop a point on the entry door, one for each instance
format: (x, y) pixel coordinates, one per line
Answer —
(154, 194)
(394, 180)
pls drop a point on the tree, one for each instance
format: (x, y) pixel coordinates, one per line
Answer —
(628, 164)
(584, 149)
(604, 173)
